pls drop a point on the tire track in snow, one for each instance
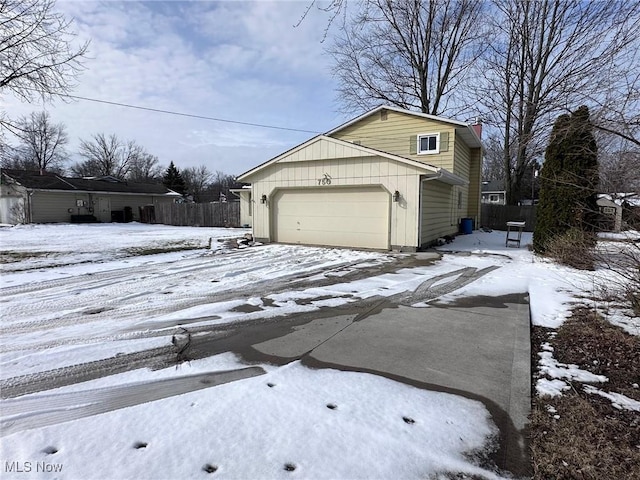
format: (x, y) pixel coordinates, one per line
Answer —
(84, 305)
(35, 412)
(430, 289)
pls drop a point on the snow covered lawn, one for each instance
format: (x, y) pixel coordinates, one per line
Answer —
(74, 294)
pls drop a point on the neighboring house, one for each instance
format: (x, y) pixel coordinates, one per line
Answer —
(610, 214)
(493, 193)
(631, 210)
(618, 211)
(388, 179)
(44, 197)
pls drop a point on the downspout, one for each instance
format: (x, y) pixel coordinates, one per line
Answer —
(29, 204)
(425, 179)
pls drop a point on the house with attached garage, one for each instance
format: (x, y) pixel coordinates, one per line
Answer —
(390, 179)
(45, 197)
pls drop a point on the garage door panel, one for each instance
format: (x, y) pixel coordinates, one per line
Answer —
(353, 217)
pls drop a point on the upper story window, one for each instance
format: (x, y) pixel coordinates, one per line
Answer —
(428, 143)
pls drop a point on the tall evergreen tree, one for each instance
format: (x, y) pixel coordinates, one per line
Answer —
(173, 179)
(584, 159)
(552, 215)
(569, 179)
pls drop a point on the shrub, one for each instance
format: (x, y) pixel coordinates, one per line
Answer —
(574, 248)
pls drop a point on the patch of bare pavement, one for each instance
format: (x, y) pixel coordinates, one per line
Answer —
(477, 348)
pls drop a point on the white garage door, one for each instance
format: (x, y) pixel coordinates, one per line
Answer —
(344, 217)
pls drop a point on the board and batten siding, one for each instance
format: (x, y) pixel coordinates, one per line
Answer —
(304, 172)
(396, 134)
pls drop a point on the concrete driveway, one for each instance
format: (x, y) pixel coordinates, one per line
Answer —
(478, 348)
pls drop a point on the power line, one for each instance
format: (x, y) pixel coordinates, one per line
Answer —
(202, 117)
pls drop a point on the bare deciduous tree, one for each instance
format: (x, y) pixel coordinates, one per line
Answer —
(617, 109)
(37, 53)
(543, 58)
(492, 168)
(145, 168)
(107, 156)
(42, 143)
(548, 56)
(410, 53)
(220, 185)
(619, 171)
(197, 180)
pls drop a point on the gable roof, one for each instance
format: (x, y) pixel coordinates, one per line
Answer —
(468, 134)
(35, 180)
(492, 186)
(631, 199)
(353, 150)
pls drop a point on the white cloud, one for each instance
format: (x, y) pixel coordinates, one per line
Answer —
(234, 60)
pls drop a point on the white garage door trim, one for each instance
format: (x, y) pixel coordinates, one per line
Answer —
(343, 217)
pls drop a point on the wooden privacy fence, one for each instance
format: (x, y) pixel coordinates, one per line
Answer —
(219, 214)
(497, 216)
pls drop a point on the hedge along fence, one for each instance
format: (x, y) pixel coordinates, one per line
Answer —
(497, 216)
(220, 214)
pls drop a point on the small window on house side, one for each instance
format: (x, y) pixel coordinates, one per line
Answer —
(494, 198)
(459, 199)
(428, 143)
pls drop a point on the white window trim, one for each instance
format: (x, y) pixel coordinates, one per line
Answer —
(428, 152)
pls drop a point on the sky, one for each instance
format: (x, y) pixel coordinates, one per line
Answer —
(231, 60)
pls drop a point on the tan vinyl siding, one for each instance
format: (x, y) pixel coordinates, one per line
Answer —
(463, 159)
(439, 211)
(388, 174)
(53, 207)
(475, 173)
(462, 168)
(394, 134)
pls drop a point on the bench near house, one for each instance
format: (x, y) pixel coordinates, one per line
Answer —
(388, 179)
(45, 197)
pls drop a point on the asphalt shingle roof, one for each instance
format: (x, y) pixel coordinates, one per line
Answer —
(51, 181)
(492, 186)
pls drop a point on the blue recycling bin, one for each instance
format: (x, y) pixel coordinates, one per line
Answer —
(466, 226)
